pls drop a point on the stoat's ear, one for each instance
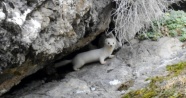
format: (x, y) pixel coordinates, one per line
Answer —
(106, 40)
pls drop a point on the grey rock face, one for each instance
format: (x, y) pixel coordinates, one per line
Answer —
(46, 26)
(145, 59)
(37, 30)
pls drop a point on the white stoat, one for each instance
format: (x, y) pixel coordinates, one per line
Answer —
(91, 56)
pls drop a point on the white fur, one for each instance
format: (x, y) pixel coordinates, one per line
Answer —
(93, 55)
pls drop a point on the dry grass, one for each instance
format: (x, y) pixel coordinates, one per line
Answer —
(132, 16)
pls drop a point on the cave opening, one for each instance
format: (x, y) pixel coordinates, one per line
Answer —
(50, 73)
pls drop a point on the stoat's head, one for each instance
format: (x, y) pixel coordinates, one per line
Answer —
(110, 42)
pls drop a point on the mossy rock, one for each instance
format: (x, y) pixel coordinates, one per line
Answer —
(170, 86)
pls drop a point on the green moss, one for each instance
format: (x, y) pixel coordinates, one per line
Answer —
(150, 94)
(176, 68)
(147, 92)
(134, 94)
(154, 88)
(142, 93)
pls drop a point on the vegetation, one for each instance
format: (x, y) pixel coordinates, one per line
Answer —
(170, 86)
(176, 68)
(172, 24)
(132, 16)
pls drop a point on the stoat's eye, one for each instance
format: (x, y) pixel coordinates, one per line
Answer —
(113, 43)
(108, 43)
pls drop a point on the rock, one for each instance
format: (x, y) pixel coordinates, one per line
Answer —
(130, 68)
(2, 16)
(32, 32)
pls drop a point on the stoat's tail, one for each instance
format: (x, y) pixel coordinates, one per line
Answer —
(62, 63)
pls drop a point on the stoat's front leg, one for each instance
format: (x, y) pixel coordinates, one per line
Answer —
(111, 56)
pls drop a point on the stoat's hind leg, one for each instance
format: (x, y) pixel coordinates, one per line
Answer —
(102, 60)
(78, 65)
